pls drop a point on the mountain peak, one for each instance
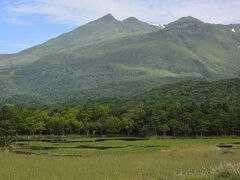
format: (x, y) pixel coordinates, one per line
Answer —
(131, 19)
(108, 17)
(188, 19)
(185, 22)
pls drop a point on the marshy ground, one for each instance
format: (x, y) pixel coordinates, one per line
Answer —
(116, 158)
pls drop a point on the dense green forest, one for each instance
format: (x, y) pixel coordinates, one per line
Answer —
(139, 120)
(188, 108)
(197, 91)
(186, 92)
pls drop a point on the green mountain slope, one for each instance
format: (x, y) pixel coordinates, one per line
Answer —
(94, 32)
(195, 91)
(184, 92)
(187, 92)
(115, 58)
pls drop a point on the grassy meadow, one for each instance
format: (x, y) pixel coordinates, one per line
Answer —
(123, 159)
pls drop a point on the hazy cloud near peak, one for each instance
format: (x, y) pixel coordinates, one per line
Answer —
(152, 11)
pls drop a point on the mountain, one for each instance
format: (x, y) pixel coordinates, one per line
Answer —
(184, 92)
(195, 91)
(94, 32)
(222, 91)
(108, 57)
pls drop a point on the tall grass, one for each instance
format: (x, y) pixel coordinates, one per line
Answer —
(180, 158)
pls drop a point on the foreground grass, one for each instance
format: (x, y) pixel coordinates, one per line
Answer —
(180, 158)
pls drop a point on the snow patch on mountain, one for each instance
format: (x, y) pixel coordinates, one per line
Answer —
(159, 25)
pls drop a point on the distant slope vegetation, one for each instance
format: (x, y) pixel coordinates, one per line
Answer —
(184, 92)
(195, 91)
(108, 57)
(221, 91)
(94, 32)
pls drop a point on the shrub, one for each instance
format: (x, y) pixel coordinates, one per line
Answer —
(228, 171)
(225, 171)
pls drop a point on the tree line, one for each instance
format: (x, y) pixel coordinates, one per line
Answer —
(139, 120)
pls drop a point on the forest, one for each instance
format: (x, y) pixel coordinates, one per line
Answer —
(139, 120)
(188, 108)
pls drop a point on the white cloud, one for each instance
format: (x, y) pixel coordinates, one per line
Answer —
(152, 11)
(17, 21)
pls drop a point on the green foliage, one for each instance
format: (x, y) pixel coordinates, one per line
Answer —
(189, 108)
(113, 58)
(187, 92)
(8, 122)
(136, 120)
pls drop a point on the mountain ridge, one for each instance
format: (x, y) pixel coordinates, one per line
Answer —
(108, 57)
(91, 33)
(185, 92)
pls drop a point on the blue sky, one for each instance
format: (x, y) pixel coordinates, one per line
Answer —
(25, 23)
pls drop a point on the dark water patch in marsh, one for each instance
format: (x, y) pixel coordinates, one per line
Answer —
(238, 143)
(28, 147)
(63, 140)
(157, 146)
(25, 152)
(74, 147)
(225, 145)
(121, 138)
(69, 146)
(90, 147)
